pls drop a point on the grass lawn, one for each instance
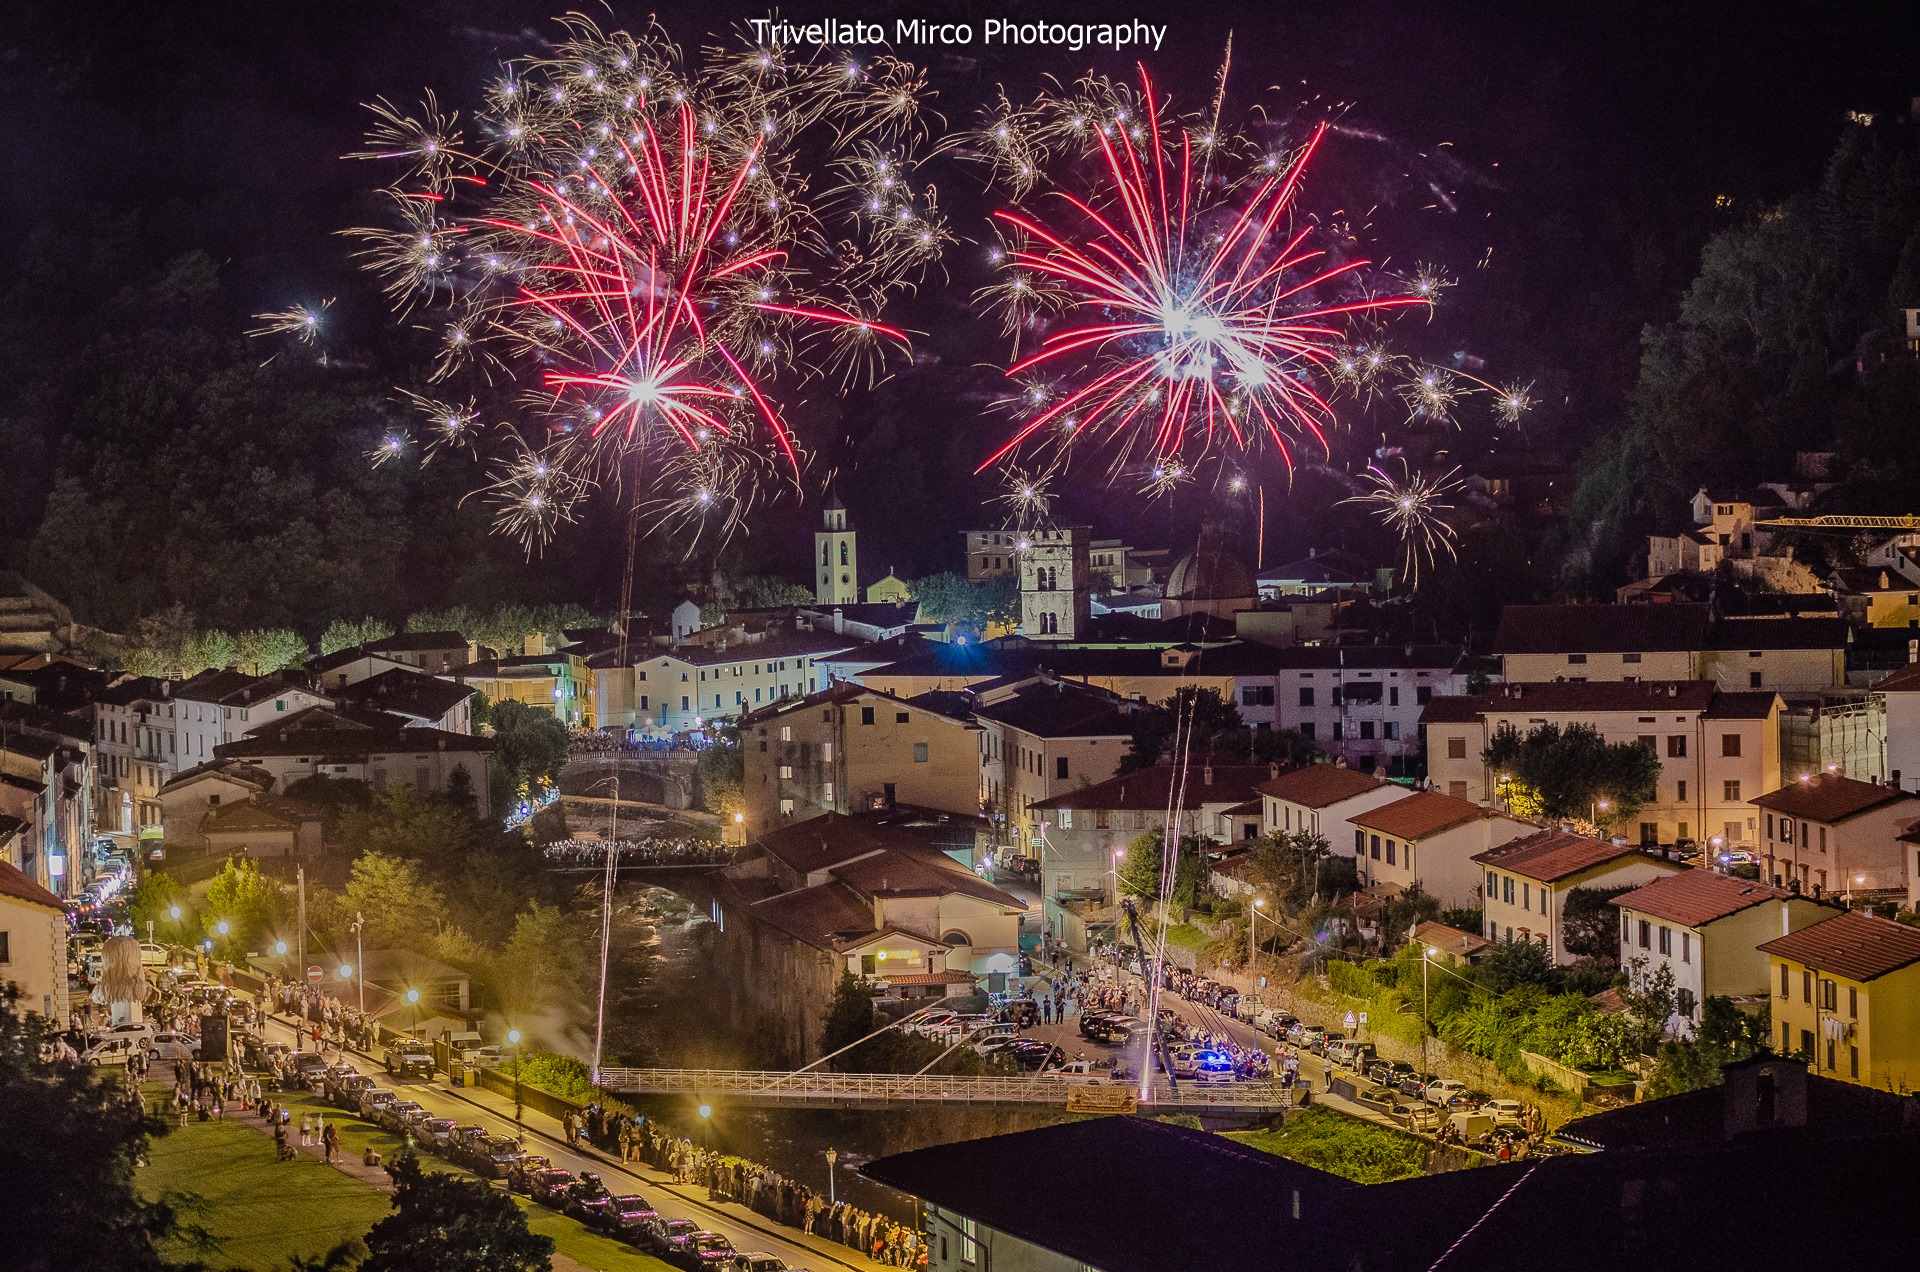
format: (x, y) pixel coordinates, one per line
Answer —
(1350, 1147)
(1187, 937)
(261, 1212)
(251, 1196)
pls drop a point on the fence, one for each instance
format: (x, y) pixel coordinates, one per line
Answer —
(899, 1090)
(1570, 1080)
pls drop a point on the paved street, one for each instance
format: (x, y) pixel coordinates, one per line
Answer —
(745, 1228)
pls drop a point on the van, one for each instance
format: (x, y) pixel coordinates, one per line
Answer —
(462, 1044)
(1472, 1128)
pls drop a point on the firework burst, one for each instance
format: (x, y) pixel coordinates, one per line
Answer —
(635, 245)
(1412, 506)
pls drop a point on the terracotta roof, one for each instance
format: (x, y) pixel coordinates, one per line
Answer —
(1695, 898)
(227, 770)
(354, 743)
(1420, 814)
(1056, 709)
(1905, 680)
(1569, 696)
(840, 693)
(1250, 808)
(1594, 629)
(819, 843)
(1552, 855)
(919, 871)
(1318, 785)
(1151, 788)
(1778, 633)
(1448, 940)
(15, 883)
(1828, 797)
(262, 812)
(949, 977)
(1850, 944)
(410, 693)
(1746, 704)
(822, 916)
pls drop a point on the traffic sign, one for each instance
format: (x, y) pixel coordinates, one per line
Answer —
(1350, 1022)
(313, 975)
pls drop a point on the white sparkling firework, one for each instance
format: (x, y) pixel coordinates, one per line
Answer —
(1413, 505)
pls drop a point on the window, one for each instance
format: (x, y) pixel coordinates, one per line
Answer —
(683, 701)
(1506, 890)
(1783, 980)
(1423, 694)
(1730, 792)
(826, 791)
(1686, 947)
(1806, 987)
(1681, 793)
(1456, 748)
(1853, 1001)
(1650, 742)
(1526, 896)
(1629, 658)
(919, 752)
(1373, 847)
(969, 1241)
(1389, 852)
(1830, 1045)
(1666, 939)
(866, 715)
(1060, 768)
(1390, 730)
(6, 948)
(1306, 695)
(1393, 695)
(1493, 884)
(1366, 730)
(1786, 827)
(786, 733)
(1646, 934)
(1829, 996)
(1306, 729)
(1853, 1062)
(1576, 660)
(900, 717)
(1677, 746)
(786, 772)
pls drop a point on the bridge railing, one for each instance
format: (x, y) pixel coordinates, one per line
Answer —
(775, 1087)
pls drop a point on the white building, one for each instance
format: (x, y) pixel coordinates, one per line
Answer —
(33, 944)
(1323, 799)
(1528, 879)
(1429, 841)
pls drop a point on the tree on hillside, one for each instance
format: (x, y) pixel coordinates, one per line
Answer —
(1559, 773)
(69, 1179)
(529, 746)
(1193, 712)
(404, 821)
(849, 1015)
(1290, 868)
(399, 905)
(345, 633)
(253, 906)
(722, 770)
(1141, 870)
(263, 651)
(451, 1223)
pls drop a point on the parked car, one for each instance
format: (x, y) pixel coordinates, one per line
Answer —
(374, 1101)
(1415, 1084)
(1351, 1054)
(144, 1032)
(1505, 1112)
(307, 1070)
(152, 955)
(174, 1046)
(494, 1157)
(993, 1033)
(122, 1050)
(485, 1057)
(331, 1076)
(547, 1185)
(587, 1200)
(929, 1024)
(1093, 1023)
(1114, 1029)
(347, 1091)
(628, 1215)
(436, 1134)
(1422, 1116)
(1443, 1090)
(665, 1235)
(1031, 1054)
(704, 1250)
(398, 1116)
(1186, 1061)
(1324, 1043)
(1387, 1100)
(1023, 1012)
(1389, 1072)
(1309, 1037)
(1472, 1128)
(756, 1263)
(409, 1058)
(520, 1176)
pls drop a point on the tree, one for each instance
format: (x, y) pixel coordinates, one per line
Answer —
(1565, 773)
(1650, 1002)
(1194, 714)
(1140, 872)
(529, 745)
(153, 902)
(765, 592)
(1291, 867)
(849, 1015)
(545, 961)
(69, 1177)
(722, 770)
(1404, 912)
(947, 598)
(252, 905)
(263, 651)
(404, 821)
(1590, 927)
(335, 797)
(449, 1223)
(346, 633)
(1507, 965)
(398, 904)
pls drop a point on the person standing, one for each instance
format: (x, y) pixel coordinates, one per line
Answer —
(330, 1140)
(306, 1130)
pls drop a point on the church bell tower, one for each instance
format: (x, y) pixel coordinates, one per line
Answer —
(836, 560)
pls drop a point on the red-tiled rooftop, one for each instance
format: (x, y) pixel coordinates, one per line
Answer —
(1593, 629)
(1551, 855)
(1851, 944)
(15, 883)
(1695, 898)
(1151, 788)
(1420, 814)
(1319, 785)
(1828, 797)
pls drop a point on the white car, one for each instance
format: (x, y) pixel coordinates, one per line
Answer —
(485, 1057)
(152, 955)
(144, 1031)
(174, 1046)
(1212, 1068)
(123, 1050)
(1443, 1090)
(1505, 1112)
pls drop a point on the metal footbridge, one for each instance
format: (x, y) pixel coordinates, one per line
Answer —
(776, 1089)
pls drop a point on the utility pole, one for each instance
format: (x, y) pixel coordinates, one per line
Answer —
(606, 929)
(360, 961)
(300, 872)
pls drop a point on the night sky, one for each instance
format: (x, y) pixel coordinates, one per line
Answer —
(1588, 150)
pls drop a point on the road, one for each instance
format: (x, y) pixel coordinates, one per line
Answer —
(746, 1229)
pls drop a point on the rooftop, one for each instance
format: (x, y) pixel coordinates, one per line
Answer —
(15, 884)
(1059, 709)
(416, 642)
(1695, 898)
(1600, 629)
(1152, 788)
(1552, 855)
(348, 743)
(1829, 797)
(1449, 940)
(1320, 785)
(1850, 944)
(409, 693)
(1420, 814)
(1569, 696)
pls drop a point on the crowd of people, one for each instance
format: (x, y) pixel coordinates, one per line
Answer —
(321, 1019)
(652, 851)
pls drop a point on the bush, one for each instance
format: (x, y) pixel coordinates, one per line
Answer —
(1349, 1147)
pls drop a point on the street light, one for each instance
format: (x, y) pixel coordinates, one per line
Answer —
(705, 1111)
(280, 948)
(360, 955)
(832, 1157)
(1427, 955)
(223, 927)
(413, 1001)
(513, 1036)
(173, 912)
(1118, 853)
(1253, 957)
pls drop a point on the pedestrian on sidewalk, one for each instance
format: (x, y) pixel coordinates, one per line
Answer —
(306, 1130)
(570, 1128)
(331, 1139)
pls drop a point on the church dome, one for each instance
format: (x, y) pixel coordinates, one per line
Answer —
(1209, 573)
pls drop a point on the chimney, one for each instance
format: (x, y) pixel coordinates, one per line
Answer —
(839, 622)
(1206, 776)
(1273, 770)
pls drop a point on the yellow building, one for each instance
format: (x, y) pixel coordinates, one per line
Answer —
(1846, 996)
(891, 590)
(561, 683)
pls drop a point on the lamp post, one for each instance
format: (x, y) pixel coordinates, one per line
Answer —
(1253, 956)
(832, 1157)
(413, 1001)
(1113, 872)
(513, 1036)
(360, 959)
(606, 922)
(1427, 955)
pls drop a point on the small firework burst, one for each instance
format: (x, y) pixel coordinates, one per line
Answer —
(1027, 496)
(393, 444)
(1512, 402)
(1412, 506)
(302, 322)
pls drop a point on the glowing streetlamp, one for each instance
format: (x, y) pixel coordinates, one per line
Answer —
(832, 1157)
(513, 1036)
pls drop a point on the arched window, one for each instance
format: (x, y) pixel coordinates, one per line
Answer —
(956, 938)
(843, 554)
(826, 554)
